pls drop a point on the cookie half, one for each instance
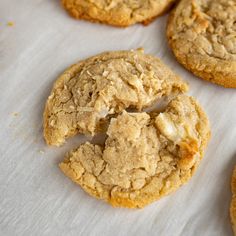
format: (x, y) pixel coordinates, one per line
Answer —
(89, 92)
(145, 156)
(233, 202)
(117, 12)
(202, 34)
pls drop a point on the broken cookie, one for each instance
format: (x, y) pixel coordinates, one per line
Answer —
(146, 155)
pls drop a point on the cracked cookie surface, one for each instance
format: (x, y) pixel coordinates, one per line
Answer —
(233, 202)
(117, 12)
(89, 92)
(202, 35)
(145, 156)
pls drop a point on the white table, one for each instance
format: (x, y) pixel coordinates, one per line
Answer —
(35, 197)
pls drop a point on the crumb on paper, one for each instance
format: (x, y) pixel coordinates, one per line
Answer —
(15, 114)
(10, 23)
(41, 151)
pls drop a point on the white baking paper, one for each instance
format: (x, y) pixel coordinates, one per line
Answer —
(35, 197)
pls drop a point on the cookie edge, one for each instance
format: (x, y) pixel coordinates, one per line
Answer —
(233, 201)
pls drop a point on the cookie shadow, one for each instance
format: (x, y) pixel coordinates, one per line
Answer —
(58, 6)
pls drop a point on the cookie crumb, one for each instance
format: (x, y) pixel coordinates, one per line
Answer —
(15, 114)
(10, 23)
(41, 151)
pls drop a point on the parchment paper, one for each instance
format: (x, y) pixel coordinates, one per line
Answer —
(35, 197)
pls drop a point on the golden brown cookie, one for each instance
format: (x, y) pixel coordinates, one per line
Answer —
(202, 35)
(117, 12)
(145, 156)
(233, 202)
(89, 92)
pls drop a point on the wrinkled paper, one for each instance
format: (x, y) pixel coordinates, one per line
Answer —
(35, 197)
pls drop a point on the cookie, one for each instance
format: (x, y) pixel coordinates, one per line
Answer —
(117, 12)
(145, 156)
(233, 202)
(85, 96)
(202, 34)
